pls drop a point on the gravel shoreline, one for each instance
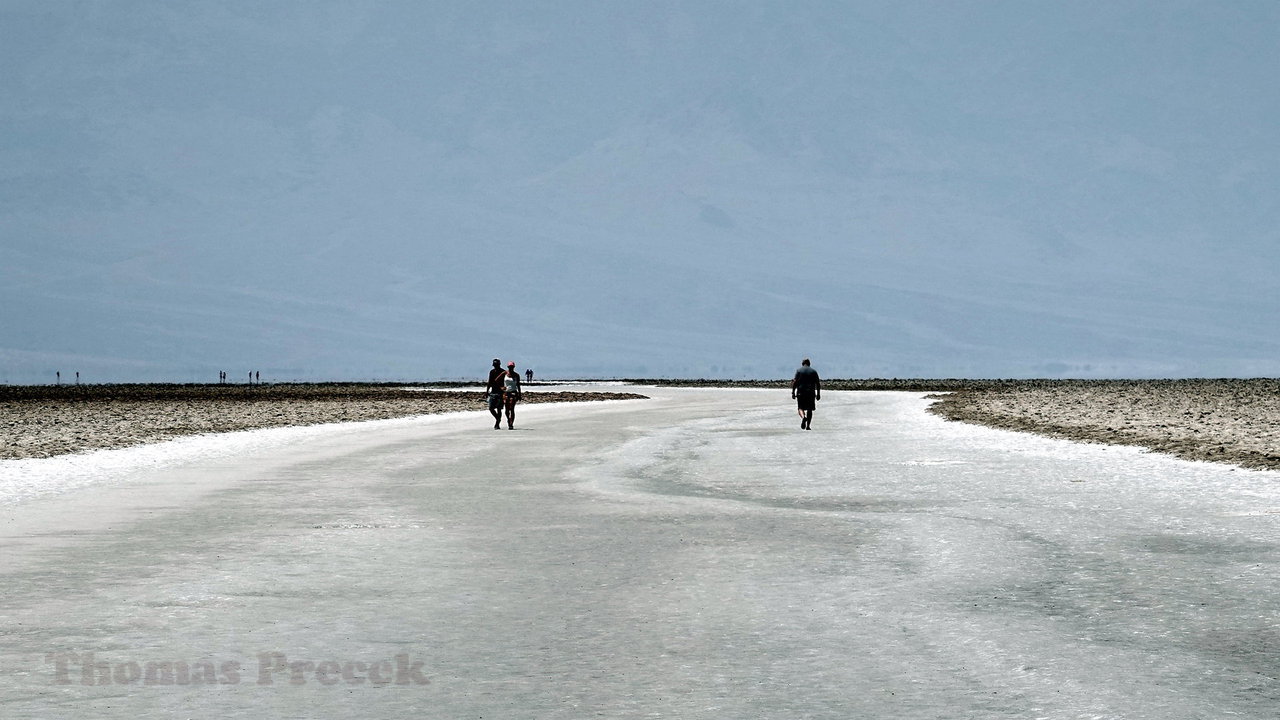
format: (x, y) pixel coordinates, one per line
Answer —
(44, 421)
(1228, 421)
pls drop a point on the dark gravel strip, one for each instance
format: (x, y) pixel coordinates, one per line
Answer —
(1229, 421)
(44, 421)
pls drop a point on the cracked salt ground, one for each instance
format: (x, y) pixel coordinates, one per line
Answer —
(691, 556)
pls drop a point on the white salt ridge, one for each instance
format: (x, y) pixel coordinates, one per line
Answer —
(28, 478)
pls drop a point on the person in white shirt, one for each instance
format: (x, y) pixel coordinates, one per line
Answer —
(511, 393)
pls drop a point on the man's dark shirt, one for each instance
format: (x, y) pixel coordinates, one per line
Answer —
(495, 380)
(806, 380)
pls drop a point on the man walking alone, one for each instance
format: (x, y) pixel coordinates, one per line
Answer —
(806, 390)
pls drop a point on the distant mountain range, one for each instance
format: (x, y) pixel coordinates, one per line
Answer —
(340, 190)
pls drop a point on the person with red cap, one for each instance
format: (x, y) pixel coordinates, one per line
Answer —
(510, 394)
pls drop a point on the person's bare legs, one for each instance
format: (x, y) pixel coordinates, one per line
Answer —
(495, 409)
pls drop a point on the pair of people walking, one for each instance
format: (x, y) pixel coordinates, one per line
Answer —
(503, 392)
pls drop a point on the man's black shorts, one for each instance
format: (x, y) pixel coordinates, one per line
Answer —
(805, 401)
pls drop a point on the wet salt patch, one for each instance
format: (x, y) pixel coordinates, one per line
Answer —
(887, 444)
(28, 478)
(536, 385)
(930, 463)
(367, 526)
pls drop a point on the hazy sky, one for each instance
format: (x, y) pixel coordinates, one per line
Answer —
(404, 190)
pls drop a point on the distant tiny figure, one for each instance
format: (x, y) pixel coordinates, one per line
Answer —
(511, 394)
(77, 377)
(806, 390)
(59, 373)
(493, 392)
(528, 374)
(257, 377)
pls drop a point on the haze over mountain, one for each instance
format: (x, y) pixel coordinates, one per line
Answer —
(403, 190)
